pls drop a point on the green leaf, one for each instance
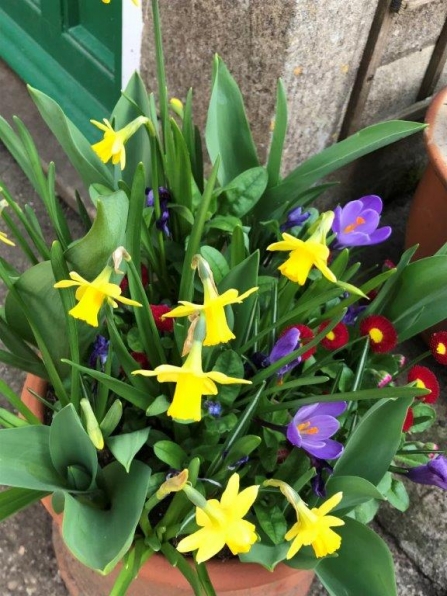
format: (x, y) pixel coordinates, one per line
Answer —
(28, 468)
(363, 566)
(242, 447)
(397, 495)
(159, 406)
(272, 521)
(355, 491)
(13, 500)
(229, 362)
(227, 131)
(170, 453)
(278, 137)
(242, 194)
(419, 297)
(216, 261)
(373, 444)
(90, 254)
(266, 555)
(71, 446)
(78, 150)
(114, 527)
(334, 157)
(125, 446)
(238, 251)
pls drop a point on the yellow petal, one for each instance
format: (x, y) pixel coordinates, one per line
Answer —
(65, 283)
(329, 504)
(88, 307)
(241, 536)
(186, 403)
(222, 378)
(288, 243)
(230, 493)
(128, 301)
(187, 308)
(245, 500)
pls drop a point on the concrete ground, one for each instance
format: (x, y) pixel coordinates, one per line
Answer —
(417, 539)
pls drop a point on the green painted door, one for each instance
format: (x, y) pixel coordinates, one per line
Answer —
(70, 49)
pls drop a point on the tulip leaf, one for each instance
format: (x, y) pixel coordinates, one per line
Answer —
(125, 446)
(363, 566)
(77, 148)
(113, 527)
(13, 500)
(278, 137)
(70, 446)
(89, 255)
(373, 444)
(227, 130)
(414, 307)
(170, 453)
(355, 492)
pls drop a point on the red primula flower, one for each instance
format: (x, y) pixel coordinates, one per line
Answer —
(141, 358)
(158, 310)
(409, 419)
(306, 334)
(336, 338)
(425, 379)
(438, 346)
(382, 335)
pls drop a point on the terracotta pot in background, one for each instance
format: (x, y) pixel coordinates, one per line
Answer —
(158, 577)
(427, 221)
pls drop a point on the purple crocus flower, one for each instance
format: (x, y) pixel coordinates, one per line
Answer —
(100, 351)
(312, 426)
(318, 483)
(295, 217)
(356, 223)
(285, 345)
(434, 473)
(165, 197)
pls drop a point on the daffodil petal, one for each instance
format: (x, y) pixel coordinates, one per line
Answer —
(223, 379)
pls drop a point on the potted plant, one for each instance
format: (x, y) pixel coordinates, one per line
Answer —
(223, 381)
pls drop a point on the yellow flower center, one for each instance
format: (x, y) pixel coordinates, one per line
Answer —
(420, 384)
(330, 336)
(358, 222)
(305, 428)
(441, 349)
(376, 335)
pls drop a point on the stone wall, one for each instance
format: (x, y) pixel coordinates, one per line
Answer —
(314, 45)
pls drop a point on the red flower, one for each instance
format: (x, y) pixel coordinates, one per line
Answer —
(438, 346)
(425, 379)
(409, 419)
(158, 310)
(141, 358)
(144, 279)
(337, 338)
(306, 334)
(382, 335)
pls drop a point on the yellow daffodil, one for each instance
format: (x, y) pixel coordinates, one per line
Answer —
(217, 329)
(222, 524)
(92, 294)
(113, 144)
(313, 527)
(4, 238)
(191, 383)
(306, 254)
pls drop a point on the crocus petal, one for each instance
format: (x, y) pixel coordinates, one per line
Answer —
(380, 235)
(330, 450)
(372, 202)
(334, 408)
(286, 344)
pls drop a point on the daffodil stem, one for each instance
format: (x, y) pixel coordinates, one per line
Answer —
(204, 579)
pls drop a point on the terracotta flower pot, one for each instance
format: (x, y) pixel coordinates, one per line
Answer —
(157, 577)
(427, 221)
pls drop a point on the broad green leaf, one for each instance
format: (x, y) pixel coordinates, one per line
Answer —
(242, 194)
(373, 444)
(25, 467)
(229, 362)
(238, 251)
(424, 417)
(334, 157)
(272, 521)
(114, 527)
(78, 150)
(216, 261)
(419, 298)
(89, 255)
(398, 496)
(170, 453)
(134, 102)
(364, 565)
(266, 555)
(227, 130)
(125, 446)
(13, 500)
(278, 137)
(241, 448)
(355, 491)
(70, 446)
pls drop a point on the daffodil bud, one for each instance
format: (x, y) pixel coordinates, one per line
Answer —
(173, 485)
(91, 424)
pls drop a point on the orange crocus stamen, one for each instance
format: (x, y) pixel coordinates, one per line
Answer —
(358, 222)
(306, 429)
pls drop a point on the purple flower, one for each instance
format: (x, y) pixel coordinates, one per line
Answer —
(312, 426)
(356, 223)
(285, 345)
(295, 218)
(433, 473)
(165, 197)
(318, 483)
(352, 314)
(214, 408)
(100, 351)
